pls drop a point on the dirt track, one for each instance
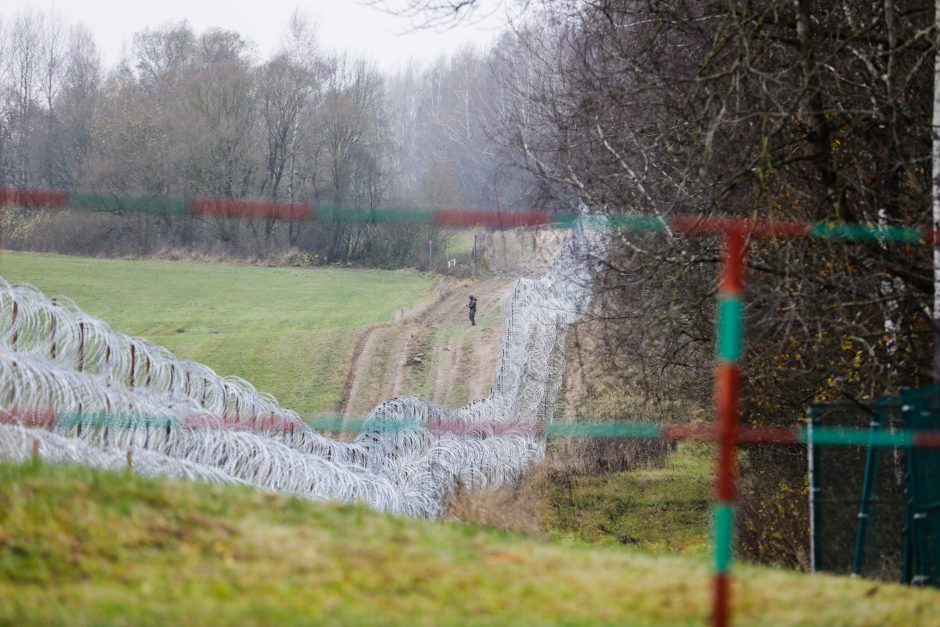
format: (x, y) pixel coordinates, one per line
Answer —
(432, 351)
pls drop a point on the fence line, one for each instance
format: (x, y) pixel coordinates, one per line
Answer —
(464, 218)
(603, 430)
(72, 374)
(735, 233)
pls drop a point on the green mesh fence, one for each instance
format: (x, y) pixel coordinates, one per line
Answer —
(857, 493)
(922, 519)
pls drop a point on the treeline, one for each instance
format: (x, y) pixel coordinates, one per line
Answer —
(809, 111)
(190, 114)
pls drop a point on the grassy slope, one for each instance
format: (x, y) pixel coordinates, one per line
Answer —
(82, 547)
(658, 510)
(79, 546)
(289, 331)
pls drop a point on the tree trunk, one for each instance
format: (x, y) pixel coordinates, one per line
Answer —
(936, 192)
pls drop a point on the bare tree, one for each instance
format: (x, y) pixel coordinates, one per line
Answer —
(935, 214)
(24, 76)
(349, 121)
(806, 111)
(52, 52)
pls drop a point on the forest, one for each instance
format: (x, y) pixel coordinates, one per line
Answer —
(189, 114)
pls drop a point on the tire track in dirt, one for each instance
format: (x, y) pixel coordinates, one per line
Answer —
(353, 386)
(432, 351)
(419, 360)
(444, 372)
(394, 382)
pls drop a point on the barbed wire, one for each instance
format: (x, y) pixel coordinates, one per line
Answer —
(88, 394)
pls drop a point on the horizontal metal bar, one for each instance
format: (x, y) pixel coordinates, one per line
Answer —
(793, 435)
(469, 217)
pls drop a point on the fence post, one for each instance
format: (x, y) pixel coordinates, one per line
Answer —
(729, 341)
(812, 418)
(52, 350)
(868, 486)
(81, 346)
(133, 364)
(16, 333)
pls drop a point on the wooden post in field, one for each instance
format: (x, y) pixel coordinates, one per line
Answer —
(81, 346)
(52, 350)
(16, 334)
(133, 364)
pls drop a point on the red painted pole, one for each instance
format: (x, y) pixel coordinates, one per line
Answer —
(729, 339)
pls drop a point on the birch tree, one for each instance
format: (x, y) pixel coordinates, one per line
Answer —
(936, 191)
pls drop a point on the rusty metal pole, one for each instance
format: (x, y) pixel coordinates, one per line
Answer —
(729, 343)
(130, 382)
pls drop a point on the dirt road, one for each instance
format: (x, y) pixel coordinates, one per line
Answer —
(432, 352)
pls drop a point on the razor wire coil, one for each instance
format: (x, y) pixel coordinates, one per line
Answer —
(86, 392)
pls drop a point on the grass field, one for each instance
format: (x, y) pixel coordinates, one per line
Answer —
(289, 331)
(85, 547)
(459, 244)
(659, 510)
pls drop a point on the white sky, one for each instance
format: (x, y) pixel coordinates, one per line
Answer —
(344, 25)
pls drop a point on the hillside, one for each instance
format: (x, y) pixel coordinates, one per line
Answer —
(87, 547)
(321, 340)
(114, 548)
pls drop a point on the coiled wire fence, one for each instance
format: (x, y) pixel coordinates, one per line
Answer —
(81, 392)
(72, 389)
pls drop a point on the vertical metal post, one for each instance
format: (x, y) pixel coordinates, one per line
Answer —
(52, 351)
(811, 419)
(907, 559)
(16, 332)
(81, 346)
(130, 382)
(868, 485)
(729, 340)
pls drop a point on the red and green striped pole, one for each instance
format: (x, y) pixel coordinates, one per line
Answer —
(729, 341)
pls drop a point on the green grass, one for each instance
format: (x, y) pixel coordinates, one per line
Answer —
(86, 547)
(289, 331)
(419, 382)
(459, 244)
(460, 395)
(658, 510)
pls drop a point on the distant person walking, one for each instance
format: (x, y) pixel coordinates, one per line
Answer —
(472, 306)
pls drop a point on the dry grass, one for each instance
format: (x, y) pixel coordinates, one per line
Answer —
(83, 547)
(520, 508)
(532, 505)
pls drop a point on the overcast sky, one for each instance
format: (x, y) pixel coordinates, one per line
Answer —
(348, 25)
